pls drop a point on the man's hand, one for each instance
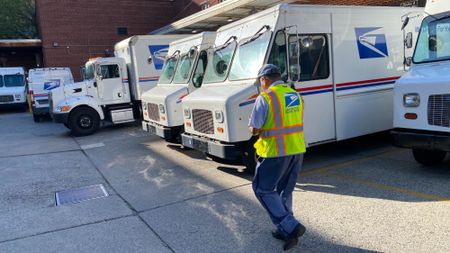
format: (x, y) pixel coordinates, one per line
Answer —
(253, 131)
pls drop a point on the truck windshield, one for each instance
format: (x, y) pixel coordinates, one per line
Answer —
(218, 68)
(433, 43)
(13, 80)
(183, 71)
(168, 70)
(88, 71)
(250, 57)
(1, 81)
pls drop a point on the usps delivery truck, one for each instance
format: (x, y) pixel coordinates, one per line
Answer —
(112, 86)
(342, 60)
(182, 74)
(40, 82)
(422, 96)
(12, 87)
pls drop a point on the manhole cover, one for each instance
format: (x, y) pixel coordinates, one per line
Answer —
(78, 195)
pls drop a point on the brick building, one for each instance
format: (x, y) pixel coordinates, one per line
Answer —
(73, 31)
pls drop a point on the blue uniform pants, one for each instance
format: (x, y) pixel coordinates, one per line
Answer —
(273, 184)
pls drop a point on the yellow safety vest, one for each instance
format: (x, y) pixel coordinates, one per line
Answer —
(282, 133)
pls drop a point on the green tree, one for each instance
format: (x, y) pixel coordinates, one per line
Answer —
(17, 19)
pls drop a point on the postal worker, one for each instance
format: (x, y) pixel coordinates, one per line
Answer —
(277, 118)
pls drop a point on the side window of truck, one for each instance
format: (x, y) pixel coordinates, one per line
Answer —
(278, 55)
(199, 72)
(110, 71)
(314, 57)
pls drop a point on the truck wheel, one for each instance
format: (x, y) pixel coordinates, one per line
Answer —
(36, 118)
(250, 158)
(428, 157)
(24, 107)
(67, 125)
(84, 121)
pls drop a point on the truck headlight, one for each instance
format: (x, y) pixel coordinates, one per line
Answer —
(63, 108)
(219, 116)
(411, 100)
(187, 113)
(144, 106)
(162, 110)
(17, 96)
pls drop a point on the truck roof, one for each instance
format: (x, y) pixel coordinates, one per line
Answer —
(11, 70)
(434, 7)
(133, 39)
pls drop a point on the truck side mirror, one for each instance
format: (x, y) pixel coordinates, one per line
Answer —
(405, 23)
(409, 40)
(408, 61)
(432, 43)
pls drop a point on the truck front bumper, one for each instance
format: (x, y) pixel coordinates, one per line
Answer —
(222, 150)
(168, 133)
(60, 117)
(40, 110)
(426, 140)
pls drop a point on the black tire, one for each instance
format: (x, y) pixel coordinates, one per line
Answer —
(84, 121)
(250, 158)
(36, 118)
(429, 157)
(24, 107)
(67, 125)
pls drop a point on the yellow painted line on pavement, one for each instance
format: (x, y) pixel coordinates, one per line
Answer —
(391, 188)
(326, 169)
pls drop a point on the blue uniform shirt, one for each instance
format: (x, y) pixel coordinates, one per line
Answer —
(259, 112)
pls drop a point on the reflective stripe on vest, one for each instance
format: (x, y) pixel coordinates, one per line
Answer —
(278, 136)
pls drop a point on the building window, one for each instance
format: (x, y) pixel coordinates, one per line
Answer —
(204, 6)
(121, 31)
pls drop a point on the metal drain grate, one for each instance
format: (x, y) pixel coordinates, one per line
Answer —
(78, 195)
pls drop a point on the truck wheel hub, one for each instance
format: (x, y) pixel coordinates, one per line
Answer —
(85, 121)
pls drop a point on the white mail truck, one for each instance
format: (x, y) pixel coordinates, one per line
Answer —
(182, 74)
(12, 87)
(342, 60)
(112, 86)
(422, 96)
(40, 82)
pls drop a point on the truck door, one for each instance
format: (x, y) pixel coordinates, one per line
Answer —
(110, 85)
(314, 81)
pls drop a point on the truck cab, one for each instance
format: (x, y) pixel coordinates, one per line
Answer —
(182, 74)
(103, 95)
(422, 96)
(12, 87)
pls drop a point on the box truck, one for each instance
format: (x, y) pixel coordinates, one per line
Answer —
(40, 82)
(422, 96)
(12, 87)
(342, 60)
(112, 86)
(182, 74)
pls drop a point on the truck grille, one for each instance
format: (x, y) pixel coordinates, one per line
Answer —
(42, 101)
(439, 110)
(7, 98)
(153, 111)
(203, 121)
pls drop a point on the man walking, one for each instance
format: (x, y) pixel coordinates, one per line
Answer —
(277, 118)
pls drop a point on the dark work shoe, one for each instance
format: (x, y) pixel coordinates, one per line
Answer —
(292, 238)
(278, 235)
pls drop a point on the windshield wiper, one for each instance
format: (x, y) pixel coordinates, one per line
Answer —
(257, 34)
(228, 42)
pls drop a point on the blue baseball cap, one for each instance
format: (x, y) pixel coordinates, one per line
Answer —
(268, 69)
